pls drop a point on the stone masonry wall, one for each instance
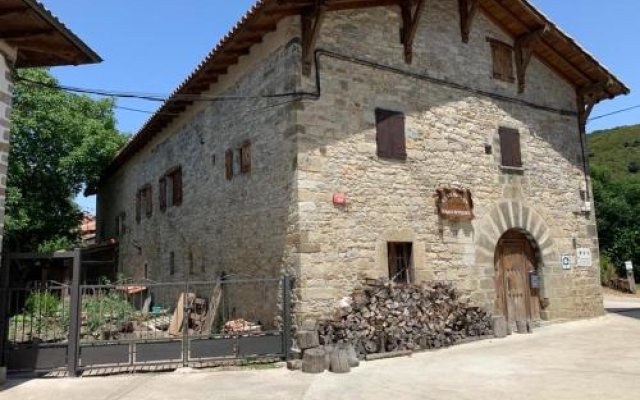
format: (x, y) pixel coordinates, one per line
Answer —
(7, 55)
(240, 227)
(447, 131)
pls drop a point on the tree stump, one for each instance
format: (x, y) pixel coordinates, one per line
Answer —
(328, 349)
(340, 360)
(307, 339)
(521, 326)
(499, 326)
(313, 361)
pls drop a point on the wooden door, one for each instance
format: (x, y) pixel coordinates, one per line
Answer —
(514, 261)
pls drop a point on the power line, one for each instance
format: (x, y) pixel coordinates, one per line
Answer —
(615, 112)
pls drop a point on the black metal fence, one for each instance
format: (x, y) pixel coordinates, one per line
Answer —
(127, 325)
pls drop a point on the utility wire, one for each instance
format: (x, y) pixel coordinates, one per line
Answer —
(615, 112)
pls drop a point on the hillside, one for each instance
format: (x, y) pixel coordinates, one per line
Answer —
(616, 149)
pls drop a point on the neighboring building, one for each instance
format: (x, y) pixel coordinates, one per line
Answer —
(440, 140)
(88, 229)
(30, 36)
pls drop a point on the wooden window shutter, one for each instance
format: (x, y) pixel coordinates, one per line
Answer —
(245, 158)
(163, 193)
(139, 206)
(510, 147)
(502, 61)
(228, 164)
(176, 180)
(148, 201)
(390, 134)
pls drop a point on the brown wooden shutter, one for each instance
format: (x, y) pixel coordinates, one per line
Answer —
(139, 206)
(502, 61)
(163, 193)
(510, 147)
(245, 158)
(390, 134)
(228, 164)
(176, 178)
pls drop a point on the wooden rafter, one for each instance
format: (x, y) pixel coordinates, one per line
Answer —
(524, 51)
(28, 35)
(468, 11)
(311, 24)
(588, 97)
(410, 19)
(13, 12)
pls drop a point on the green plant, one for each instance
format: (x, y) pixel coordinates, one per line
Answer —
(607, 270)
(106, 307)
(42, 304)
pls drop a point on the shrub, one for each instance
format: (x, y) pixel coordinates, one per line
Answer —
(634, 167)
(42, 303)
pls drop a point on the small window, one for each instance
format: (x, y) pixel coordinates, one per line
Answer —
(172, 263)
(120, 228)
(228, 164)
(171, 189)
(390, 135)
(245, 158)
(502, 61)
(400, 261)
(144, 200)
(510, 148)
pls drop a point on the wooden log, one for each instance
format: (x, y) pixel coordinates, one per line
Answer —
(307, 339)
(354, 361)
(499, 326)
(340, 360)
(313, 361)
(212, 311)
(175, 327)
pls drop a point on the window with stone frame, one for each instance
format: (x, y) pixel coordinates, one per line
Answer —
(510, 150)
(400, 261)
(502, 54)
(120, 228)
(390, 134)
(144, 201)
(228, 164)
(245, 157)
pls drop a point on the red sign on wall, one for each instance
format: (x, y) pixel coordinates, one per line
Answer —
(455, 204)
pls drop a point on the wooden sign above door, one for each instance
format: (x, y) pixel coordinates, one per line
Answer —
(455, 204)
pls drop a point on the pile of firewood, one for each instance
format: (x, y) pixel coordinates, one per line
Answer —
(386, 317)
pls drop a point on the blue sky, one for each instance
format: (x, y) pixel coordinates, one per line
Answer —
(151, 45)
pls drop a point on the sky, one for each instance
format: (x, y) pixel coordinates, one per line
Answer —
(151, 46)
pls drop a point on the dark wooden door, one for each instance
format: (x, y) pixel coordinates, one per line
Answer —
(514, 261)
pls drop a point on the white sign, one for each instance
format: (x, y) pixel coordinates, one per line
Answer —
(584, 258)
(566, 261)
(629, 265)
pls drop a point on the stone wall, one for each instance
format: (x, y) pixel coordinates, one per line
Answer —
(447, 133)
(7, 55)
(241, 226)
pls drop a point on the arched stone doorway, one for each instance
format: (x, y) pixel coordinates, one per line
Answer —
(517, 278)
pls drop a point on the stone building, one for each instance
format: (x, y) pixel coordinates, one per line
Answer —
(30, 36)
(342, 140)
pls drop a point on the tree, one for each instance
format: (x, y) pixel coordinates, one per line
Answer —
(60, 142)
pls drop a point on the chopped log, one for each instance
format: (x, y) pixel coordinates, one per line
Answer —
(354, 361)
(175, 327)
(340, 360)
(328, 349)
(313, 361)
(212, 311)
(307, 339)
(521, 326)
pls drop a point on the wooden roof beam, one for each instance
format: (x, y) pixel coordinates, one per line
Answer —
(32, 34)
(468, 11)
(524, 51)
(588, 97)
(410, 20)
(13, 12)
(311, 25)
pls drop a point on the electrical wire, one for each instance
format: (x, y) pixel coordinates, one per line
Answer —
(615, 112)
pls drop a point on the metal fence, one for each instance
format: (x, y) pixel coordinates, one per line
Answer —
(80, 327)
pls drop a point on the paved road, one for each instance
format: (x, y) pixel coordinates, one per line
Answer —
(595, 359)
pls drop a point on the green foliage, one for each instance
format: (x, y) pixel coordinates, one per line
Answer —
(42, 303)
(617, 194)
(57, 243)
(60, 142)
(105, 307)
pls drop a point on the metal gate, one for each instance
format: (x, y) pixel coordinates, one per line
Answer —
(126, 326)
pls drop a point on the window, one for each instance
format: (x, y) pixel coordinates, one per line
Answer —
(245, 158)
(144, 199)
(172, 263)
(510, 148)
(171, 189)
(400, 261)
(120, 228)
(502, 61)
(228, 164)
(390, 135)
